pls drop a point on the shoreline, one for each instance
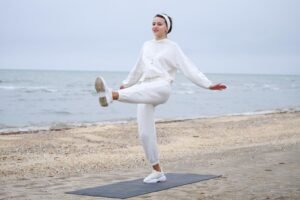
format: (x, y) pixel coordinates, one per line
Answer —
(68, 126)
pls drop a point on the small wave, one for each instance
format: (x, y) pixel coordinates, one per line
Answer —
(8, 88)
(35, 129)
(11, 131)
(56, 126)
(270, 87)
(258, 112)
(264, 112)
(254, 87)
(29, 89)
(17, 81)
(55, 112)
(62, 112)
(40, 89)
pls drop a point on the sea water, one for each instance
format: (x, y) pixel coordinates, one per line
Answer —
(32, 98)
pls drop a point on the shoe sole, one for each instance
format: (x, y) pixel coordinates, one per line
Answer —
(100, 88)
(161, 179)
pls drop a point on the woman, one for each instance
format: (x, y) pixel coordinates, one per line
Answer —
(149, 84)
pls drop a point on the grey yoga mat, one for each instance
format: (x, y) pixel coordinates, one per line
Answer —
(132, 188)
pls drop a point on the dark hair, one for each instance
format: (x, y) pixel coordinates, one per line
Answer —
(171, 22)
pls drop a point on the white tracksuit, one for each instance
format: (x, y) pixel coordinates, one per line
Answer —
(149, 84)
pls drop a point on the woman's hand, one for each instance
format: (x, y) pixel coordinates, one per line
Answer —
(218, 86)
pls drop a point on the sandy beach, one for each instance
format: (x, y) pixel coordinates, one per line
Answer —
(257, 156)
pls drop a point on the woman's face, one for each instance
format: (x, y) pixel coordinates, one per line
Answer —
(159, 28)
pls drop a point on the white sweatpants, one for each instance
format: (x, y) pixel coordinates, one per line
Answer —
(147, 95)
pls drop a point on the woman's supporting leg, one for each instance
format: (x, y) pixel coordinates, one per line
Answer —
(147, 132)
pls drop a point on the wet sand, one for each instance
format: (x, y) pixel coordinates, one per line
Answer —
(257, 156)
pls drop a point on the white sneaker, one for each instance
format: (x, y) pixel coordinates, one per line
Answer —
(105, 93)
(155, 177)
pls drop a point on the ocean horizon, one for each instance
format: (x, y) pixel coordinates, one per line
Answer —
(61, 98)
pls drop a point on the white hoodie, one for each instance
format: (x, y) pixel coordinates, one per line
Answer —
(162, 59)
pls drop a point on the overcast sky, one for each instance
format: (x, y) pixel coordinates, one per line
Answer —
(219, 36)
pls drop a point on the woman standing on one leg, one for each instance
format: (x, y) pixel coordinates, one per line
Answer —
(149, 84)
